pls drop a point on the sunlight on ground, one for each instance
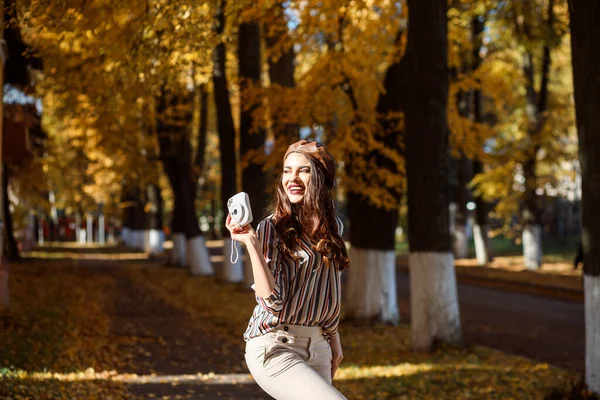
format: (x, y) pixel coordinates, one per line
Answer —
(515, 263)
(91, 375)
(77, 245)
(85, 256)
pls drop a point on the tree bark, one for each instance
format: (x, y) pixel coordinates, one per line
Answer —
(371, 291)
(198, 166)
(585, 36)
(535, 109)
(281, 73)
(11, 249)
(253, 177)
(481, 227)
(232, 271)
(463, 195)
(154, 235)
(176, 156)
(434, 302)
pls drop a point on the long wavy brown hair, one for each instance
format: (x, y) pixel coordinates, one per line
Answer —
(313, 220)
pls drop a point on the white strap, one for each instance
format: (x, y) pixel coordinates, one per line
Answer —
(237, 255)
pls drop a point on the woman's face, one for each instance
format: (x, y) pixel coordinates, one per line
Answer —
(296, 176)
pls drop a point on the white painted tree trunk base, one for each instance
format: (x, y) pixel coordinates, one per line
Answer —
(101, 229)
(90, 229)
(461, 242)
(126, 236)
(138, 239)
(532, 246)
(233, 272)
(592, 332)
(482, 241)
(153, 241)
(434, 300)
(179, 250)
(198, 257)
(371, 290)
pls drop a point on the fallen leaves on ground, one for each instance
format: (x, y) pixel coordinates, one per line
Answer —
(57, 344)
(378, 360)
(56, 325)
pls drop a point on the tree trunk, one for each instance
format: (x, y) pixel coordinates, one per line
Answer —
(253, 177)
(480, 228)
(233, 272)
(178, 256)
(371, 290)
(11, 249)
(460, 241)
(139, 220)
(434, 300)
(281, 73)
(535, 109)
(176, 156)
(154, 236)
(585, 36)
(89, 228)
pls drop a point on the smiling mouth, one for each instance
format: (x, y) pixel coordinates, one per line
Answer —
(295, 189)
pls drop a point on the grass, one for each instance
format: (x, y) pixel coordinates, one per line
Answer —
(553, 249)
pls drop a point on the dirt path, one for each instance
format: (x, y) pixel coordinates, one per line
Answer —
(172, 356)
(536, 327)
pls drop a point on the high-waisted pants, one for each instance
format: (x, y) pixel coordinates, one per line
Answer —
(292, 363)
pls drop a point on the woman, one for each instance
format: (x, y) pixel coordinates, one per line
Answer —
(293, 346)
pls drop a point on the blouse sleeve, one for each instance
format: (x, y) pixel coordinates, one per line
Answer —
(267, 237)
(330, 328)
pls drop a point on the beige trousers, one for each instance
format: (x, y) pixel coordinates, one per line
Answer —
(292, 363)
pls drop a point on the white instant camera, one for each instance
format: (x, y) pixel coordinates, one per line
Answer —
(239, 209)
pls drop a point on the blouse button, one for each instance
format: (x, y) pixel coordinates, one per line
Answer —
(284, 340)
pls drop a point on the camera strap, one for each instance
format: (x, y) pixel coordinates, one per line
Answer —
(237, 254)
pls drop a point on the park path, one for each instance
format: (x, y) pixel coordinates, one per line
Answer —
(536, 327)
(172, 356)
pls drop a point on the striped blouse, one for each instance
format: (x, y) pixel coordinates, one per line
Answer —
(306, 291)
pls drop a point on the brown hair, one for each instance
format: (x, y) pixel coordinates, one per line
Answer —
(314, 220)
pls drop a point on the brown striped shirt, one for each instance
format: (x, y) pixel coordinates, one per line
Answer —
(306, 291)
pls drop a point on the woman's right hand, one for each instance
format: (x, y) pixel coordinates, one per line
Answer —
(245, 234)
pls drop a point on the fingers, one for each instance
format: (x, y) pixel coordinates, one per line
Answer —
(335, 364)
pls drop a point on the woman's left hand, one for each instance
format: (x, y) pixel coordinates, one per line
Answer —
(336, 351)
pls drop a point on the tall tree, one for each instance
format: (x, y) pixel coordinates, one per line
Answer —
(480, 227)
(174, 120)
(233, 272)
(434, 302)
(11, 249)
(585, 36)
(252, 136)
(371, 293)
(537, 104)
(281, 58)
